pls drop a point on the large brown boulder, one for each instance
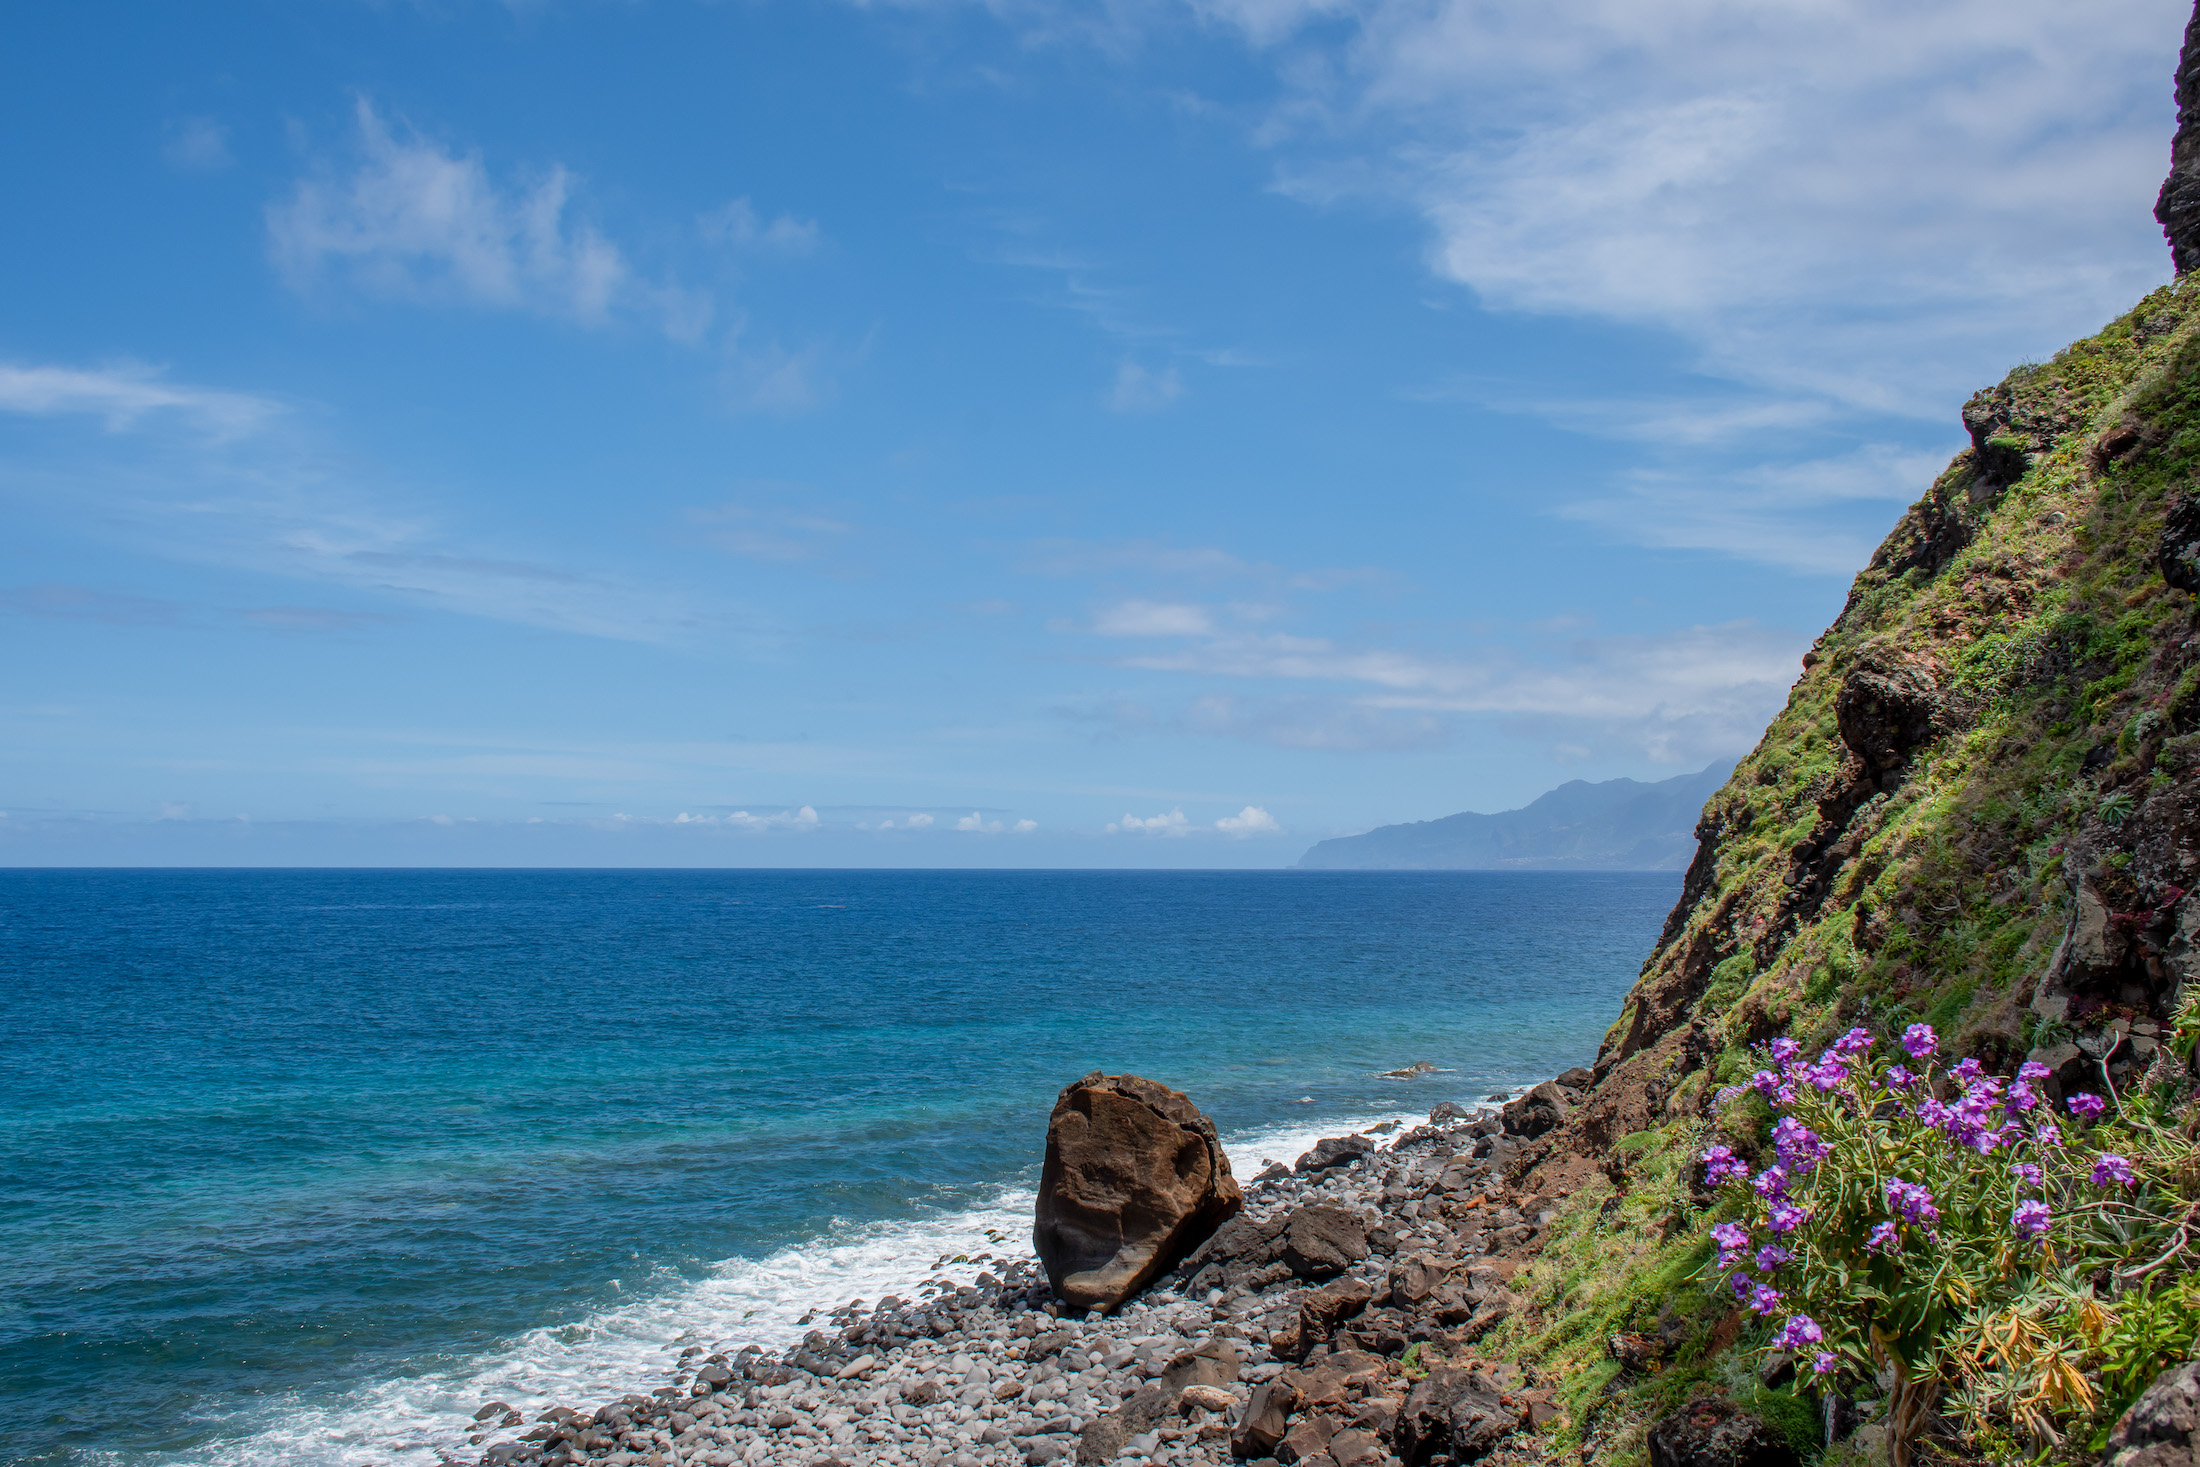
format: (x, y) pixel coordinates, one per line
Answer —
(1134, 1180)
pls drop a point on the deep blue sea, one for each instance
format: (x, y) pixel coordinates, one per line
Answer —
(300, 1166)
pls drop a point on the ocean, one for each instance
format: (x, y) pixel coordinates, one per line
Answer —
(301, 1166)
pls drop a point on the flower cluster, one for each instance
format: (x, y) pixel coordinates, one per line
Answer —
(1883, 1177)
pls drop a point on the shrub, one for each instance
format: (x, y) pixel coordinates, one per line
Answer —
(1942, 1231)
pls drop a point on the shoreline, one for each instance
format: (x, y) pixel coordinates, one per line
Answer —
(994, 1372)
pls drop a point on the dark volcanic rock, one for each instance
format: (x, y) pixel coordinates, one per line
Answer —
(1267, 1417)
(1134, 1179)
(1463, 1411)
(1321, 1242)
(2179, 554)
(1712, 1431)
(2178, 206)
(1885, 709)
(1335, 1151)
(2162, 1428)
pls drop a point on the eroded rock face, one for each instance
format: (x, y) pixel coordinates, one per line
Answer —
(1134, 1179)
(1712, 1431)
(2179, 552)
(2162, 1428)
(1885, 709)
(2178, 206)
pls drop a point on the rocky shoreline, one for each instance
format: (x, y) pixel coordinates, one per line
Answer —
(1331, 1323)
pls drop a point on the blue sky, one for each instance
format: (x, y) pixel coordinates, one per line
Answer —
(1014, 434)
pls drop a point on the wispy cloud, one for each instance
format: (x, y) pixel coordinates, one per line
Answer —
(121, 395)
(739, 226)
(1153, 619)
(410, 219)
(200, 475)
(196, 145)
(1174, 824)
(1140, 389)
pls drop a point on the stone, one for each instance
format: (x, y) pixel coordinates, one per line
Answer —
(1308, 1436)
(1267, 1417)
(1461, 1411)
(2178, 553)
(857, 1368)
(1886, 709)
(1215, 1363)
(1106, 1435)
(1134, 1180)
(494, 1408)
(1354, 1447)
(1205, 1398)
(1322, 1310)
(1577, 1078)
(1444, 1111)
(1712, 1431)
(2162, 1428)
(1320, 1242)
(1335, 1151)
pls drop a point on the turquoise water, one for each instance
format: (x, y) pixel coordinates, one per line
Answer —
(298, 1165)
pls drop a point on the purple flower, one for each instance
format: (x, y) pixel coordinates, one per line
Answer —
(1742, 1285)
(2046, 1132)
(2087, 1106)
(1771, 1256)
(1771, 1183)
(1786, 1217)
(2028, 1172)
(2032, 1070)
(1856, 1041)
(1733, 1241)
(1832, 1068)
(1899, 1077)
(1966, 1070)
(1784, 1049)
(1773, 1088)
(1800, 1330)
(1912, 1202)
(2109, 1167)
(1799, 1147)
(1721, 1166)
(1920, 1042)
(1884, 1239)
(2030, 1220)
(1763, 1299)
(2020, 1099)
(1824, 1364)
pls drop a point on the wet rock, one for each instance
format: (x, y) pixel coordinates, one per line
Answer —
(2162, 1428)
(1335, 1151)
(1444, 1111)
(1712, 1431)
(1134, 1180)
(494, 1408)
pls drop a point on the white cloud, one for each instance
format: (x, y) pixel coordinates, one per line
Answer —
(739, 226)
(796, 820)
(919, 822)
(1171, 824)
(1252, 820)
(197, 145)
(1153, 619)
(1865, 199)
(122, 395)
(977, 824)
(415, 221)
(1140, 390)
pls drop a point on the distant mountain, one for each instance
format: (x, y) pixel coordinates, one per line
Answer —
(1619, 825)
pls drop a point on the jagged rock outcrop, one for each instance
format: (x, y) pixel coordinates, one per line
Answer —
(2162, 1428)
(1711, 1431)
(1134, 1179)
(2178, 205)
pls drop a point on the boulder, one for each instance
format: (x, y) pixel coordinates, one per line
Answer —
(1320, 1312)
(1577, 1078)
(1320, 1242)
(1712, 1431)
(1335, 1151)
(2162, 1428)
(1413, 1278)
(1885, 709)
(2177, 207)
(1461, 1411)
(1134, 1180)
(1267, 1417)
(1444, 1111)
(2178, 553)
(1105, 1435)
(1536, 1112)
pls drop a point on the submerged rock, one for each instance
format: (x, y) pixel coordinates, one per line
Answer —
(1134, 1180)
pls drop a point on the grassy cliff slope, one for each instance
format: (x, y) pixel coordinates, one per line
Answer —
(1979, 809)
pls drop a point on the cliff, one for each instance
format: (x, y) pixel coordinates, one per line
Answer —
(1615, 825)
(1979, 810)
